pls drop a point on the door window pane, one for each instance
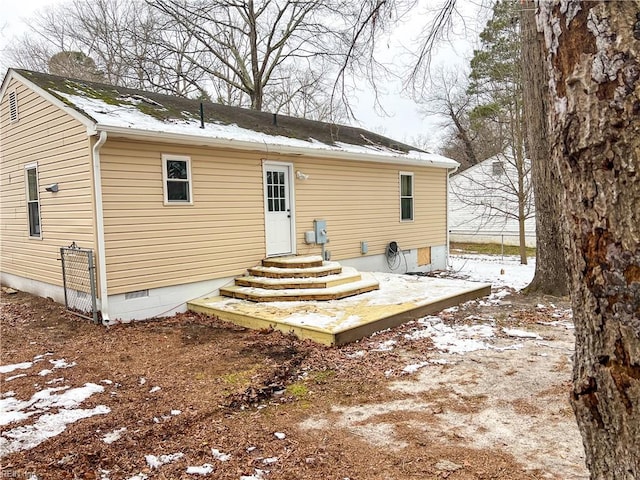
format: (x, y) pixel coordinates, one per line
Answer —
(276, 191)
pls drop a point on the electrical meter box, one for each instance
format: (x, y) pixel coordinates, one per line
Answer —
(320, 228)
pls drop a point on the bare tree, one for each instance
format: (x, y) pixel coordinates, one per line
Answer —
(465, 140)
(255, 45)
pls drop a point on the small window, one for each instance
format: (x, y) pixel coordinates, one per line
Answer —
(177, 179)
(33, 201)
(13, 106)
(406, 196)
(497, 167)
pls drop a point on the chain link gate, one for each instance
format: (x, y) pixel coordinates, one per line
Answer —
(79, 281)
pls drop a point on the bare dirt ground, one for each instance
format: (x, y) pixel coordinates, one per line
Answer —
(247, 405)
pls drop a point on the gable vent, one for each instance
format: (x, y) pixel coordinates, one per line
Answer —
(13, 106)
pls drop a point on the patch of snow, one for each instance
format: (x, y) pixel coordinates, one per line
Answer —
(9, 393)
(458, 339)
(279, 435)
(157, 461)
(565, 325)
(15, 366)
(205, 469)
(55, 380)
(142, 381)
(113, 436)
(13, 377)
(155, 389)
(47, 425)
(258, 475)
(45, 372)
(356, 354)
(385, 346)
(218, 455)
(413, 368)
(62, 363)
(514, 332)
(175, 412)
(269, 460)
(139, 476)
(488, 268)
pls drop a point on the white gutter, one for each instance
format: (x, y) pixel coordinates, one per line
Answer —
(274, 148)
(449, 173)
(102, 261)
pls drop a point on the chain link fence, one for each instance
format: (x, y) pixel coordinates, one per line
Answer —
(78, 278)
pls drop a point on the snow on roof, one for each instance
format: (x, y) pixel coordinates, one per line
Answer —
(136, 112)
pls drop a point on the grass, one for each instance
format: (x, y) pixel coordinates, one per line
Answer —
(488, 249)
(297, 390)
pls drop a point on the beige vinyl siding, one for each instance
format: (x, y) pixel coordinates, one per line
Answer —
(59, 145)
(149, 244)
(361, 202)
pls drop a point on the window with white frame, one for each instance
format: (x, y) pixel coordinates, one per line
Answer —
(177, 179)
(13, 106)
(406, 196)
(33, 200)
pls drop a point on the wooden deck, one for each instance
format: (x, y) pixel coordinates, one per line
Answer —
(401, 298)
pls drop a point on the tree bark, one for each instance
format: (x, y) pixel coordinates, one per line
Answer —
(551, 271)
(592, 59)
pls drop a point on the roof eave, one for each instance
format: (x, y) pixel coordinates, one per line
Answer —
(269, 148)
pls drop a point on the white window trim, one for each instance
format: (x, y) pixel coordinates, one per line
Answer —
(413, 195)
(27, 167)
(184, 158)
(14, 114)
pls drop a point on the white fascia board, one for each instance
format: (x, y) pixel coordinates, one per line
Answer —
(270, 149)
(83, 119)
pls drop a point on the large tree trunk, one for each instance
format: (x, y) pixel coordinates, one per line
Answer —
(592, 58)
(551, 272)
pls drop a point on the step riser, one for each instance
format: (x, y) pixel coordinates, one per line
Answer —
(274, 262)
(296, 298)
(284, 274)
(256, 283)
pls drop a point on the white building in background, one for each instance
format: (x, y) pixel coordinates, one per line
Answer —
(483, 203)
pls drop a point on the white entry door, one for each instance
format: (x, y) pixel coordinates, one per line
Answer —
(279, 224)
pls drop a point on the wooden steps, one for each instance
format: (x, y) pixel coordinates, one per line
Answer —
(298, 278)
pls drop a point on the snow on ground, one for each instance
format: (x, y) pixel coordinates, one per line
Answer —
(64, 401)
(500, 271)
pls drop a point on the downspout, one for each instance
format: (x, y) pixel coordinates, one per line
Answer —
(450, 171)
(102, 262)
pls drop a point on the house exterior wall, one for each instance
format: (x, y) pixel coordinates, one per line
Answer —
(477, 198)
(59, 145)
(361, 202)
(150, 245)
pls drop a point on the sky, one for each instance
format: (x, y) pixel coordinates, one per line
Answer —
(401, 120)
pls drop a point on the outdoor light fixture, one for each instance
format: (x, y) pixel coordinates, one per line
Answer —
(52, 188)
(301, 176)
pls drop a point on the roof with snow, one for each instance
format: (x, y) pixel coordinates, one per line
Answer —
(130, 112)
